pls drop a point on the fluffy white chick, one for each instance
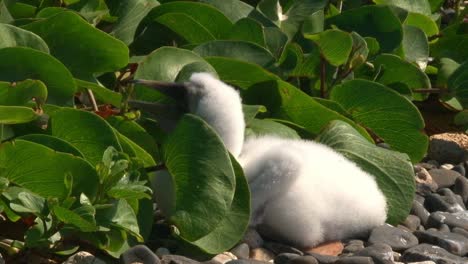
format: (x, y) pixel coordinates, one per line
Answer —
(302, 192)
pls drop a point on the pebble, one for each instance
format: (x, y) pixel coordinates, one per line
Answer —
(447, 166)
(423, 252)
(278, 248)
(323, 259)
(176, 259)
(252, 238)
(460, 231)
(247, 261)
(355, 260)
(304, 260)
(461, 188)
(444, 150)
(261, 254)
(241, 251)
(2, 260)
(83, 257)
(459, 219)
(421, 212)
(285, 258)
(444, 228)
(380, 253)
(333, 248)
(435, 202)
(460, 169)
(162, 251)
(454, 243)
(429, 165)
(452, 198)
(397, 238)
(412, 222)
(354, 246)
(223, 258)
(444, 178)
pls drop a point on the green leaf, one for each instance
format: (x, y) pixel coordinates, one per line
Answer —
(415, 46)
(392, 170)
(132, 190)
(452, 42)
(447, 67)
(21, 93)
(234, 10)
(129, 13)
(250, 111)
(29, 203)
(416, 6)
(241, 50)
(20, 63)
(240, 73)
(134, 150)
(54, 143)
(285, 101)
(359, 52)
(247, 29)
(121, 214)
(100, 92)
(314, 23)
(260, 127)
(298, 12)
(378, 22)
(200, 170)
(373, 45)
(186, 27)
(88, 132)
(16, 115)
(13, 37)
(5, 16)
(70, 217)
(395, 71)
(422, 22)
(84, 49)
(386, 113)
(335, 45)
(458, 84)
(461, 119)
(42, 170)
(231, 229)
(163, 64)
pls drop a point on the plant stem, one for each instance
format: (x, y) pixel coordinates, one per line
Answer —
(92, 99)
(323, 75)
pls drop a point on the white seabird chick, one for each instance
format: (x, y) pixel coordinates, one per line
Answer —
(302, 192)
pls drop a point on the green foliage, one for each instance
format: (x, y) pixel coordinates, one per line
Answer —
(73, 152)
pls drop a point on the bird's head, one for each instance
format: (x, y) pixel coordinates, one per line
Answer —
(205, 96)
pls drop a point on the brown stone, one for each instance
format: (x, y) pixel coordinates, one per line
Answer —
(333, 248)
(261, 254)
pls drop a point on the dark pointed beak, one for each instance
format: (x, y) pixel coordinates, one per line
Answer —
(177, 91)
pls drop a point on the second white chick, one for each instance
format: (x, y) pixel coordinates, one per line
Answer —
(302, 192)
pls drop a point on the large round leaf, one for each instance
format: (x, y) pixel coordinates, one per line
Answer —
(414, 46)
(458, 84)
(247, 29)
(422, 22)
(371, 21)
(285, 101)
(241, 50)
(395, 72)
(129, 14)
(386, 113)
(452, 43)
(21, 93)
(392, 170)
(202, 176)
(84, 49)
(164, 64)
(186, 27)
(231, 229)
(335, 45)
(16, 115)
(19, 63)
(240, 73)
(13, 36)
(52, 142)
(42, 170)
(416, 6)
(87, 132)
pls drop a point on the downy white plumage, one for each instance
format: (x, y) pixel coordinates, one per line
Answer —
(303, 193)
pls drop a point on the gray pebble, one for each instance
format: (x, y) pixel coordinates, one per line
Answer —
(304, 260)
(419, 198)
(460, 169)
(352, 248)
(323, 259)
(246, 261)
(176, 259)
(452, 198)
(412, 222)
(435, 202)
(380, 253)
(285, 258)
(355, 260)
(461, 188)
(241, 251)
(453, 243)
(444, 178)
(447, 166)
(421, 212)
(398, 239)
(162, 251)
(252, 238)
(278, 248)
(429, 165)
(459, 219)
(444, 228)
(445, 151)
(437, 254)
(139, 253)
(82, 257)
(460, 231)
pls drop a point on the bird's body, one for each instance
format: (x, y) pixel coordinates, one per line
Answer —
(302, 192)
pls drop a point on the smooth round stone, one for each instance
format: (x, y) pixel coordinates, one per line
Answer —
(223, 258)
(84, 257)
(412, 222)
(454, 243)
(162, 251)
(447, 166)
(332, 248)
(139, 253)
(323, 259)
(398, 239)
(429, 165)
(444, 150)
(285, 258)
(460, 169)
(421, 212)
(435, 202)
(459, 219)
(380, 253)
(461, 188)
(304, 260)
(425, 252)
(252, 238)
(176, 259)
(460, 231)
(278, 248)
(241, 251)
(444, 228)
(444, 178)
(261, 254)
(352, 248)
(355, 260)
(247, 261)
(452, 198)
